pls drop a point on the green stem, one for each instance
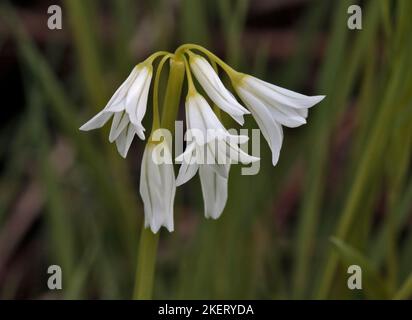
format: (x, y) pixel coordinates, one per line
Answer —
(146, 265)
(155, 55)
(173, 92)
(190, 85)
(233, 74)
(156, 116)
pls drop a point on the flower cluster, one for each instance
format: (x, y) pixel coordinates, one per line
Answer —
(210, 148)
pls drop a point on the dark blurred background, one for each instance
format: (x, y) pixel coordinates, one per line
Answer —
(340, 195)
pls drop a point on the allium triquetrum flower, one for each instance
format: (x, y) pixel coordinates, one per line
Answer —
(211, 150)
(273, 106)
(128, 107)
(215, 89)
(157, 185)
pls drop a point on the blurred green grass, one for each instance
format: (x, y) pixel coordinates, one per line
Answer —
(351, 183)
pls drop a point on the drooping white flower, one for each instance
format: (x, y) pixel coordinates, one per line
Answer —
(128, 107)
(215, 89)
(211, 150)
(157, 186)
(273, 106)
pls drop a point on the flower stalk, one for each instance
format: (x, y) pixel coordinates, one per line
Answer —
(146, 265)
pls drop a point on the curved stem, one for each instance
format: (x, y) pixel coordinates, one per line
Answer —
(155, 55)
(233, 74)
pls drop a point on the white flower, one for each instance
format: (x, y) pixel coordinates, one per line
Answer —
(157, 186)
(128, 107)
(273, 106)
(211, 151)
(215, 89)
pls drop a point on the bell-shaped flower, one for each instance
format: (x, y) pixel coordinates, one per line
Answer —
(211, 150)
(213, 86)
(157, 185)
(273, 106)
(128, 107)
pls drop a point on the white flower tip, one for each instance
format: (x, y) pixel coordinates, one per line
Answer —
(184, 176)
(112, 137)
(180, 181)
(90, 125)
(214, 215)
(301, 121)
(239, 119)
(315, 100)
(170, 228)
(155, 226)
(275, 158)
(140, 134)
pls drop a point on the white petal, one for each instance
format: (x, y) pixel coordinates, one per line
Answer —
(97, 121)
(209, 117)
(188, 167)
(125, 139)
(214, 158)
(136, 100)
(149, 184)
(144, 188)
(282, 96)
(168, 190)
(302, 112)
(141, 108)
(271, 130)
(214, 190)
(120, 121)
(286, 116)
(139, 130)
(116, 102)
(287, 111)
(215, 89)
(195, 119)
(186, 172)
(157, 189)
(114, 105)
